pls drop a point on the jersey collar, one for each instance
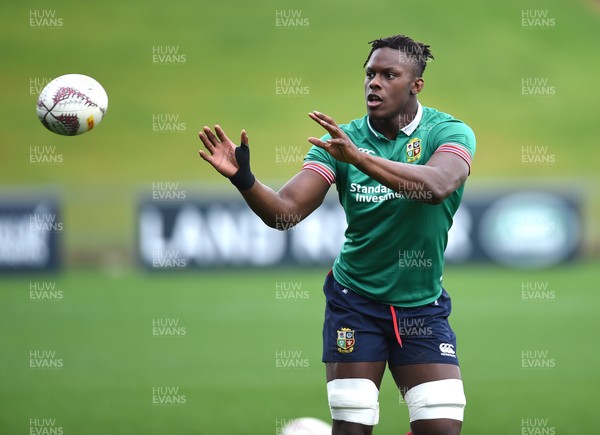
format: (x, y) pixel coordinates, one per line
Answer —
(407, 129)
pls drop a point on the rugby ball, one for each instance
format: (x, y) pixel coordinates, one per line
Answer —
(72, 104)
(306, 426)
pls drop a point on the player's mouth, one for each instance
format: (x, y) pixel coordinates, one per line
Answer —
(374, 101)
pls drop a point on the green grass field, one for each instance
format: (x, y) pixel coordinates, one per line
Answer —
(225, 367)
(236, 328)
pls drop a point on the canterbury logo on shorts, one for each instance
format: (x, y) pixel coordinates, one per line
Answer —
(447, 349)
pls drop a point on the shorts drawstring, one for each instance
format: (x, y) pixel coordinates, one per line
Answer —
(395, 321)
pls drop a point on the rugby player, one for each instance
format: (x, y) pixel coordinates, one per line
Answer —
(400, 172)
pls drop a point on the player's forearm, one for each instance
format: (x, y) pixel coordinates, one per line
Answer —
(423, 183)
(268, 205)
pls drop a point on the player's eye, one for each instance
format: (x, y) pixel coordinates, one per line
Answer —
(390, 75)
(370, 74)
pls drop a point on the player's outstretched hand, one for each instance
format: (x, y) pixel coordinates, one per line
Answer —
(339, 146)
(221, 149)
(230, 160)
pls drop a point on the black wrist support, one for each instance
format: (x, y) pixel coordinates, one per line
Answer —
(243, 179)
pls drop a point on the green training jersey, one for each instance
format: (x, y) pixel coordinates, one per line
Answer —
(394, 247)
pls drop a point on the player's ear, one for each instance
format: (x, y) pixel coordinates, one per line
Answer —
(417, 85)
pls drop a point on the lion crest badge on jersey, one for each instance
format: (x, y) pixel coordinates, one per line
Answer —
(345, 340)
(413, 150)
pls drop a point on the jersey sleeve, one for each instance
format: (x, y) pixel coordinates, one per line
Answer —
(321, 162)
(457, 138)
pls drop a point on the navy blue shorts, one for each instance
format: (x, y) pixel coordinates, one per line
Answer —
(358, 329)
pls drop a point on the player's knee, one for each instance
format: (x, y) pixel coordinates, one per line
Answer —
(354, 400)
(443, 399)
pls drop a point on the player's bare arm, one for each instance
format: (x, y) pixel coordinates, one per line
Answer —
(440, 176)
(299, 197)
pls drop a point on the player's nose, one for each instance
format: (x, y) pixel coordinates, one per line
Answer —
(374, 83)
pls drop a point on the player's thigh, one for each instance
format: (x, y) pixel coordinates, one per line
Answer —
(408, 376)
(426, 369)
(366, 370)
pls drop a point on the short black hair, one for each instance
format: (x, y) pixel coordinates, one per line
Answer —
(416, 52)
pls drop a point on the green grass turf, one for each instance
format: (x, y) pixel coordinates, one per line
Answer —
(225, 365)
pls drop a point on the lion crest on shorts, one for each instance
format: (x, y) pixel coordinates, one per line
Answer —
(345, 340)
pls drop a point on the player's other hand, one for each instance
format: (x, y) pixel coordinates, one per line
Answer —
(221, 150)
(339, 146)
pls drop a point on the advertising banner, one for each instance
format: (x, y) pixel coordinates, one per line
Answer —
(518, 229)
(29, 235)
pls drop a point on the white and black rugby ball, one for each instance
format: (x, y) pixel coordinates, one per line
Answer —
(306, 426)
(72, 104)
